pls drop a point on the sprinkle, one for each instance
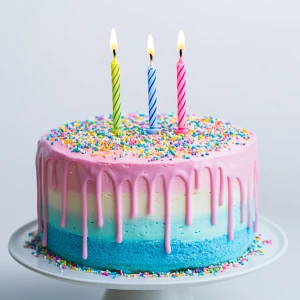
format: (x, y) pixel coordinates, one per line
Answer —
(207, 135)
(267, 242)
(39, 250)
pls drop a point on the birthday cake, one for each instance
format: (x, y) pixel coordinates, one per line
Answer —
(134, 201)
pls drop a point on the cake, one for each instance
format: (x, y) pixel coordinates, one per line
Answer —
(136, 202)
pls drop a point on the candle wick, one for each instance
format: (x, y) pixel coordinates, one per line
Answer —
(180, 52)
(151, 57)
(114, 52)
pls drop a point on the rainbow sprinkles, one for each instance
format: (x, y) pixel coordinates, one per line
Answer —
(206, 135)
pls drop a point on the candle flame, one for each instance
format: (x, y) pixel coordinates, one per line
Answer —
(150, 46)
(180, 41)
(113, 40)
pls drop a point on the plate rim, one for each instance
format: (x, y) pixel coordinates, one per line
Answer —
(145, 284)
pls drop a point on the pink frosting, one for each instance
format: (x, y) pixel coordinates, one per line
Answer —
(224, 167)
(107, 186)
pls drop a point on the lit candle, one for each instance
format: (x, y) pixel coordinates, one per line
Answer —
(152, 96)
(115, 79)
(181, 88)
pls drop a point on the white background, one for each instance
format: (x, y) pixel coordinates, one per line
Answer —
(243, 64)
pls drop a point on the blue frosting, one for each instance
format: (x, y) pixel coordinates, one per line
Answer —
(148, 255)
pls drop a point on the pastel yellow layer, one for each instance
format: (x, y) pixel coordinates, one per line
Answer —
(201, 204)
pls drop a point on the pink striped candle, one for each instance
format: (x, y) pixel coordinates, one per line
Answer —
(181, 88)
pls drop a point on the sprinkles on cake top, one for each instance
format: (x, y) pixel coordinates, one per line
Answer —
(205, 135)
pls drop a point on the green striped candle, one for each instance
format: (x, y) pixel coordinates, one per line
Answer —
(115, 79)
(116, 99)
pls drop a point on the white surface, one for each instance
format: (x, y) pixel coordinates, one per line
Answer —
(39, 265)
(243, 65)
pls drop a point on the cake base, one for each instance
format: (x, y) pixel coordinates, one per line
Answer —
(146, 288)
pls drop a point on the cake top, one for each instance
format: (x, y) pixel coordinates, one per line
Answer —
(207, 136)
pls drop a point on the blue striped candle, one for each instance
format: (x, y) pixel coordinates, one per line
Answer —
(152, 95)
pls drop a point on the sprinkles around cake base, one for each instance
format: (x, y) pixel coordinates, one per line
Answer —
(255, 249)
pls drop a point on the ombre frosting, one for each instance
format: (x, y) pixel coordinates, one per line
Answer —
(136, 202)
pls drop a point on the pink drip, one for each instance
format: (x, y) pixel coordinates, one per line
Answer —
(197, 180)
(188, 209)
(222, 179)
(119, 224)
(39, 192)
(64, 194)
(230, 208)
(242, 198)
(53, 176)
(167, 216)
(99, 202)
(45, 196)
(249, 206)
(84, 219)
(213, 188)
(256, 195)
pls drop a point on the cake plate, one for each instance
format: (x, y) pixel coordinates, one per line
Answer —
(135, 288)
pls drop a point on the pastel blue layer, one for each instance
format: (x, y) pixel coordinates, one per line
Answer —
(139, 229)
(148, 255)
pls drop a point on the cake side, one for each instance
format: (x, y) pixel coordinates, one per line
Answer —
(171, 205)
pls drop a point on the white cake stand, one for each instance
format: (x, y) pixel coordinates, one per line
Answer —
(134, 288)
